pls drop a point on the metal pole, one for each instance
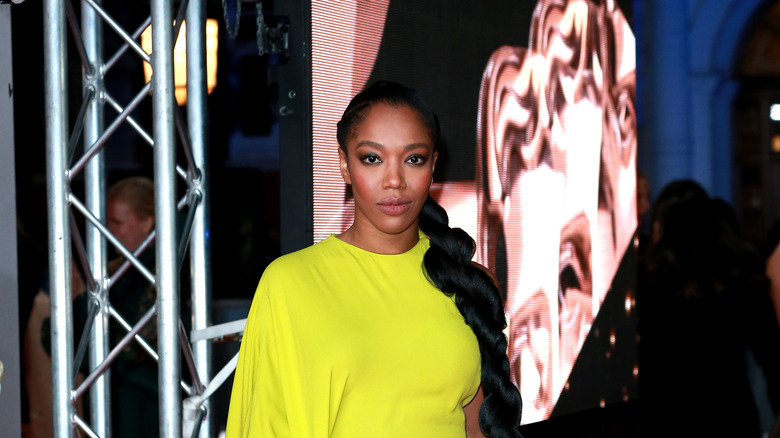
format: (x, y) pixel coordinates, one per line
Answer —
(169, 370)
(120, 31)
(95, 192)
(10, 317)
(128, 338)
(200, 244)
(55, 54)
(98, 145)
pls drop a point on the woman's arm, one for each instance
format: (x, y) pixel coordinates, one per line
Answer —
(471, 411)
(773, 272)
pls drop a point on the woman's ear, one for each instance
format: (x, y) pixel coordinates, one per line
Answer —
(655, 232)
(344, 167)
(148, 224)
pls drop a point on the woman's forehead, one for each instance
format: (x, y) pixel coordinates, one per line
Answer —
(383, 119)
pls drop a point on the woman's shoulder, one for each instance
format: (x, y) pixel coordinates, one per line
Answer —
(297, 275)
(297, 260)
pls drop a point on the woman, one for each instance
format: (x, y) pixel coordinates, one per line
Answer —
(353, 336)
(130, 218)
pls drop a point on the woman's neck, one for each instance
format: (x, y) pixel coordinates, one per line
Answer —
(381, 243)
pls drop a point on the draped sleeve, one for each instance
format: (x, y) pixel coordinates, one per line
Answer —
(263, 398)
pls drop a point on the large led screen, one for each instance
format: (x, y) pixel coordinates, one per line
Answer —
(536, 103)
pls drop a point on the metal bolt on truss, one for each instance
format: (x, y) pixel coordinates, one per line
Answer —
(65, 160)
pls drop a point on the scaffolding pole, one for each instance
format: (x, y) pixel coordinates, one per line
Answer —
(95, 186)
(163, 102)
(63, 165)
(55, 78)
(200, 251)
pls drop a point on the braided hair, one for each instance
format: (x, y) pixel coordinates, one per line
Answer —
(448, 265)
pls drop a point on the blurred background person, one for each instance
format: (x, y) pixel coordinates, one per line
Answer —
(134, 394)
(643, 205)
(36, 403)
(772, 254)
(704, 303)
(130, 218)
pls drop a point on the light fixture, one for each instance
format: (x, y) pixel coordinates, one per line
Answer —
(180, 58)
(774, 112)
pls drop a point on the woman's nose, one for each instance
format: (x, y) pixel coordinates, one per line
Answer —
(393, 178)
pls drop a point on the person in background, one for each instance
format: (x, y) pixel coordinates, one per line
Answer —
(36, 364)
(772, 253)
(704, 301)
(130, 218)
(388, 329)
(134, 394)
(643, 205)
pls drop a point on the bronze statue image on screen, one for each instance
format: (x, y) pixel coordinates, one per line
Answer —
(556, 181)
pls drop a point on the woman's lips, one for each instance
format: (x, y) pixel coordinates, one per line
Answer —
(394, 206)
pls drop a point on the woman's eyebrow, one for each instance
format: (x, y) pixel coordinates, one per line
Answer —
(370, 143)
(376, 145)
(416, 146)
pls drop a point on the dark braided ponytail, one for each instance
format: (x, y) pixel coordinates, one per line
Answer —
(447, 264)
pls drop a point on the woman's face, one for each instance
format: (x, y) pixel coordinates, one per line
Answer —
(125, 224)
(389, 163)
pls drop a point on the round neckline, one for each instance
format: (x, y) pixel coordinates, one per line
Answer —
(334, 237)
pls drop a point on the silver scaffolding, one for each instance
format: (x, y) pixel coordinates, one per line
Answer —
(63, 165)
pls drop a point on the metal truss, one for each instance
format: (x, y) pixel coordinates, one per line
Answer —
(65, 161)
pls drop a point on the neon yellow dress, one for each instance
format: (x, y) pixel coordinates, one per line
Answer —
(342, 342)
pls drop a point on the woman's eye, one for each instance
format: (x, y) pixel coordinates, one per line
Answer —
(370, 159)
(416, 159)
